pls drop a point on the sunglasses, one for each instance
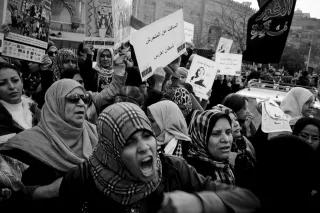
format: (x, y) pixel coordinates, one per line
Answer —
(75, 98)
(52, 53)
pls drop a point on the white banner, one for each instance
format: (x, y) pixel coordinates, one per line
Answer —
(188, 31)
(159, 43)
(229, 64)
(201, 76)
(224, 45)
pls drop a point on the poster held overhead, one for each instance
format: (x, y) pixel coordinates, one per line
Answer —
(159, 43)
(188, 31)
(201, 76)
(108, 22)
(29, 22)
(229, 64)
(224, 45)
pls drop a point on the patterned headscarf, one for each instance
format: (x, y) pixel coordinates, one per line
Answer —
(116, 124)
(170, 120)
(182, 98)
(104, 74)
(61, 58)
(200, 130)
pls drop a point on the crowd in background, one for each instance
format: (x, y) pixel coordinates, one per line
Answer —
(81, 138)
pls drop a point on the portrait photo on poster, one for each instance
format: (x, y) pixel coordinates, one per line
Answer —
(199, 77)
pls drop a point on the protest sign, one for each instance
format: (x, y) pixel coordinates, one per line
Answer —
(201, 76)
(1, 42)
(158, 44)
(229, 64)
(224, 45)
(29, 22)
(108, 22)
(188, 31)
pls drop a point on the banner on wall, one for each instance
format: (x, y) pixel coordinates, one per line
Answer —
(229, 64)
(224, 45)
(29, 22)
(108, 22)
(201, 76)
(188, 31)
(159, 43)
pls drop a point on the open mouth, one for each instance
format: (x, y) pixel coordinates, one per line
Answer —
(80, 113)
(225, 149)
(146, 166)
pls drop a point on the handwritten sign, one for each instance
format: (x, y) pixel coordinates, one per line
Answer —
(188, 31)
(1, 42)
(201, 76)
(273, 118)
(158, 44)
(29, 28)
(224, 45)
(229, 64)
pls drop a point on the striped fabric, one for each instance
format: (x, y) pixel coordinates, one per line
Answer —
(200, 129)
(115, 126)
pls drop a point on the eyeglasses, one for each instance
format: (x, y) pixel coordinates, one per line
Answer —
(75, 98)
(52, 53)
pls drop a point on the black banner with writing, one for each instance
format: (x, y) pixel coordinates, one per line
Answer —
(268, 30)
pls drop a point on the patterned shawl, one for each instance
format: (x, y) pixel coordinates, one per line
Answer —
(182, 98)
(54, 141)
(200, 130)
(104, 74)
(61, 58)
(116, 124)
(170, 120)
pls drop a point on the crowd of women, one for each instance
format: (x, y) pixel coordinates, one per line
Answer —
(81, 138)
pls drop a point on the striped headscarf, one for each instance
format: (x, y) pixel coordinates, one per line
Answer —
(200, 130)
(182, 98)
(116, 124)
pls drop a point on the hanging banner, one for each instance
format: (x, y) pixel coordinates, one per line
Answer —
(29, 22)
(229, 64)
(224, 45)
(159, 43)
(108, 22)
(188, 32)
(201, 76)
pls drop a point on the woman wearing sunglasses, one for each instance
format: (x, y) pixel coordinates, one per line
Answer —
(62, 140)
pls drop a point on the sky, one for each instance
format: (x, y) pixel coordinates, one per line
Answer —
(307, 6)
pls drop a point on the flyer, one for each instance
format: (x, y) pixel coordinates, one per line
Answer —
(29, 22)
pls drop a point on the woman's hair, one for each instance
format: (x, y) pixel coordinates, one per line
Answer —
(303, 122)
(197, 73)
(4, 65)
(234, 101)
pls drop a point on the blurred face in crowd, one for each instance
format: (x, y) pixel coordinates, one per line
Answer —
(106, 59)
(307, 108)
(310, 134)
(10, 86)
(77, 77)
(219, 144)
(236, 128)
(69, 63)
(75, 107)
(52, 52)
(140, 155)
(244, 112)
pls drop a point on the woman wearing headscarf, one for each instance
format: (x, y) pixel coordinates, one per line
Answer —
(62, 139)
(170, 127)
(64, 60)
(242, 157)
(104, 68)
(126, 174)
(210, 149)
(297, 103)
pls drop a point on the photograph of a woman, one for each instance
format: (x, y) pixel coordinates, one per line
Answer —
(198, 78)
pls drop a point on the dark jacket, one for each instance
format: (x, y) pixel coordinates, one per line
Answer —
(79, 193)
